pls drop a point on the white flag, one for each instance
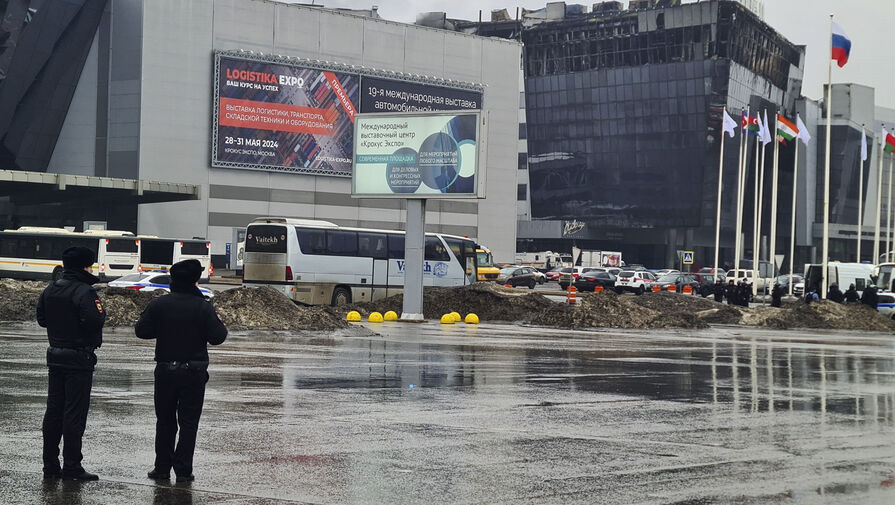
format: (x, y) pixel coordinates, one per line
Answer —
(863, 146)
(765, 131)
(730, 124)
(803, 135)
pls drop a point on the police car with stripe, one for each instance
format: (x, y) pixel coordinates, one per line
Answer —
(150, 281)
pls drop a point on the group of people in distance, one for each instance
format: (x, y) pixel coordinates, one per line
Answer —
(869, 297)
(736, 293)
(740, 293)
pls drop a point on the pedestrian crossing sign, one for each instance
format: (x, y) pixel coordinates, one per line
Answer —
(687, 258)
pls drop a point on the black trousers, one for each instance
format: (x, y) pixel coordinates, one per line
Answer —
(68, 400)
(179, 395)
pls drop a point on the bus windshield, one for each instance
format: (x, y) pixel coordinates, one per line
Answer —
(484, 259)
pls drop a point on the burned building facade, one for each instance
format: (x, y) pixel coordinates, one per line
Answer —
(623, 110)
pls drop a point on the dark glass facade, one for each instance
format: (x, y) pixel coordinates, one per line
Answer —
(624, 116)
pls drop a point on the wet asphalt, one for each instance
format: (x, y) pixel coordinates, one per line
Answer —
(494, 414)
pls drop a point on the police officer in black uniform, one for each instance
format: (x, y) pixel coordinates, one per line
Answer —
(851, 294)
(731, 293)
(718, 290)
(73, 316)
(182, 324)
(777, 295)
(870, 298)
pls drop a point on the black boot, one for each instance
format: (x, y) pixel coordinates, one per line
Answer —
(157, 474)
(186, 478)
(82, 475)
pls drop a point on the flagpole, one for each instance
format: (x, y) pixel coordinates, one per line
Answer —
(889, 215)
(738, 240)
(826, 236)
(792, 239)
(756, 255)
(861, 197)
(772, 251)
(755, 225)
(720, 187)
(879, 198)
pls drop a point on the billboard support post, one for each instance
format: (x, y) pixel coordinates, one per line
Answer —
(414, 243)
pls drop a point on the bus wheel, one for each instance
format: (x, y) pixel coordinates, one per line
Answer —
(341, 296)
(57, 273)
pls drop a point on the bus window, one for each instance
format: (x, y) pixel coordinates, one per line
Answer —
(372, 245)
(341, 243)
(311, 241)
(121, 245)
(194, 248)
(456, 247)
(157, 252)
(435, 250)
(266, 239)
(396, 247)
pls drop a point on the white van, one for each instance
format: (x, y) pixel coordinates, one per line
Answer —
(842, 274)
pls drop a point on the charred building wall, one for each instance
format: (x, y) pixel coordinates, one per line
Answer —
(624, 112)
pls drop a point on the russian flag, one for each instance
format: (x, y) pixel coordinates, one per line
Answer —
(841, 45)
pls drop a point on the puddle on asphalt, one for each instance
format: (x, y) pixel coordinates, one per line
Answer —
(758, 375)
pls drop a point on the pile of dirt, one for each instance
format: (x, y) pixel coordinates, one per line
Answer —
(823, 315)
(18, 299)
(672, 303)
(609, 310)
(490, 301)
(124, 306)
(721, 314)
(267, 309)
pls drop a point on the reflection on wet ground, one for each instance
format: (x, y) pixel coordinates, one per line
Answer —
(488, 414)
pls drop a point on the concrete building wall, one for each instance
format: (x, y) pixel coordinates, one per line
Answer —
(175, 125)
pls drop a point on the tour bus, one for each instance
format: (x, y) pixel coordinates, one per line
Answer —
(35, 253)
(319, 263)
(160, 253)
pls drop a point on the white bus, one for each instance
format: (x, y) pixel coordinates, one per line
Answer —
(320, 263)
(35, 253)
(158, 254)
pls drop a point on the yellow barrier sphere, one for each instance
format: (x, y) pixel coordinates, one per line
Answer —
(375, 317)
(390, 316)
(353, 317)
(447, 319)
(471, 319)
(457, 317)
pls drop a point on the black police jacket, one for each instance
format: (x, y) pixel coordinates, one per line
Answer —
(71, 311)
(182, 323)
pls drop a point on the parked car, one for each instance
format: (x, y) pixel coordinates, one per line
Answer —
(666, 271)
(553, 275)
(541, 277)
(738, 275)
(150, 281)
(712, 270)
(677, 280)
(783, 280)
(517, 276)
(569, 274)
(590, 280)
(614, 271)
(634, 281)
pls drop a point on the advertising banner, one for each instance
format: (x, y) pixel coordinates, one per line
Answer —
(417, 155)
(283, 118)
(384, 95)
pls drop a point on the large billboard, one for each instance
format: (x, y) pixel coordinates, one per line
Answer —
(283, 118)
(418, 155)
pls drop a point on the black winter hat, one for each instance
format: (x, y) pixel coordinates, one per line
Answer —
(78, 258)
(186, 271)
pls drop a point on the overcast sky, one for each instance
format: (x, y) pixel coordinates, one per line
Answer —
(804, 22)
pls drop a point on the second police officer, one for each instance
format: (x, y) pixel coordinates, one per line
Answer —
(182, 324)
